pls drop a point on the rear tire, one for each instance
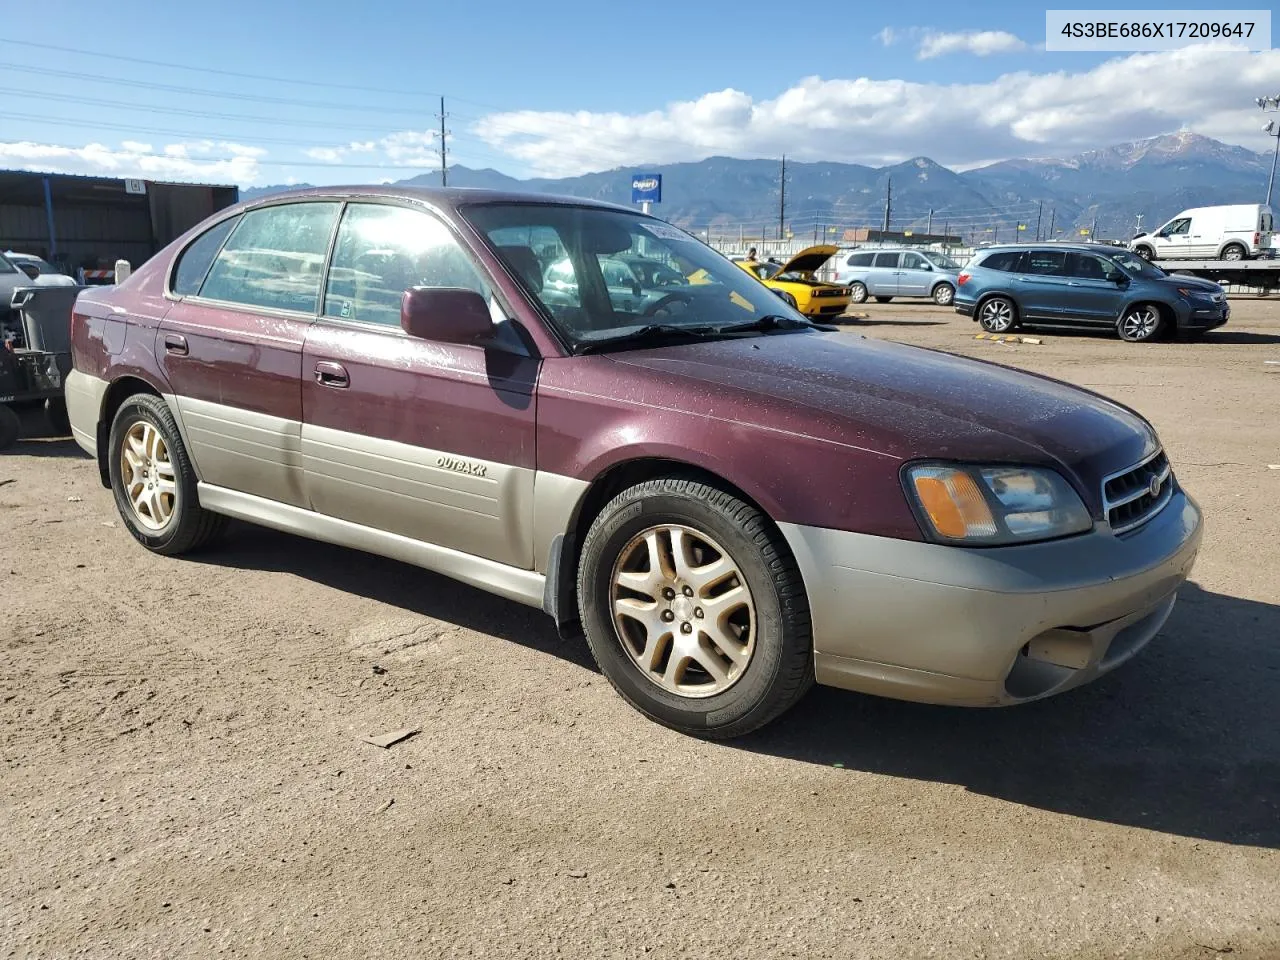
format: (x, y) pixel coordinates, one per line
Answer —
(944, 294)
(55, 411)
(883, 299)
(153, 481)
(657, 554)
(1234, 251)
(997, 315)
(10, 426)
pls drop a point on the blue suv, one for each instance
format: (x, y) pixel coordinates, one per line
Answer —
(1085, 285)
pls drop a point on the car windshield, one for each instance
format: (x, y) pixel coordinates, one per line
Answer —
(602, 275)
(1135, 265)
(941, 260)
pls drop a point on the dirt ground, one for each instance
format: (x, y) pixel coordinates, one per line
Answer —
(182, 772)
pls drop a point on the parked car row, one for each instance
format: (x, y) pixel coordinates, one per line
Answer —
(395, 370)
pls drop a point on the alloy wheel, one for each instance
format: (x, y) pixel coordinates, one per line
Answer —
(943, 295)
(997, 315)
(148, 476)
(683, 611)
(1140, 323)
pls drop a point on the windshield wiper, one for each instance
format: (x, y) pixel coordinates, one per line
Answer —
(662, 331)
(652, 331)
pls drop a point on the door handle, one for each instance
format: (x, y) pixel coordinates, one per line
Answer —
(329, 374)
(176, 344)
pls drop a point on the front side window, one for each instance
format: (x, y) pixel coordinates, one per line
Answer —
(889, 260)
(1046, 263)
(1177, 228)
(913, 261)
(194, 262)
(683, 284)
(941, 260)
(1087, 266)
(381, 252)
(274, 258)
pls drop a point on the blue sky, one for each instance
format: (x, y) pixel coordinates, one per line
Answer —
(563, 87)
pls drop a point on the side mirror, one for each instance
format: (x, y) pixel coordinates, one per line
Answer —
(445, 314)
(30, 269)
(1119, 279)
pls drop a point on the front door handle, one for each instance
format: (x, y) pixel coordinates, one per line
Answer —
(176, 344)
(329, 374)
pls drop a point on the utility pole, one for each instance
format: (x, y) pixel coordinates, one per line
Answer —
(888, 208)
(1137, 226)
(946, 231)
(782, 197)
(1052, 212)
(1039, 213)
(1093, 231)
(444, 150)
(929, 229)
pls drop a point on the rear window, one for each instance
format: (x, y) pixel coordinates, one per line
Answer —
(1265, 223)
(1006, 260)
(860, 260)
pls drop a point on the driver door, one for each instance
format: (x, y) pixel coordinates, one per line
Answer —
(1176, 240)
(431, 441)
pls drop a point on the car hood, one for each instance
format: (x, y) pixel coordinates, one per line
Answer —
(1190, 283)
(910, 403)
(810, 259)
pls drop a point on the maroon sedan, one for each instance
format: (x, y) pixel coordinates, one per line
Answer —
(731, 501)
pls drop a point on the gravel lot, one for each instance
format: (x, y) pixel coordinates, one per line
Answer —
(183, 774)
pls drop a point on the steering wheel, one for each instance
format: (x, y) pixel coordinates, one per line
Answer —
(661, 302)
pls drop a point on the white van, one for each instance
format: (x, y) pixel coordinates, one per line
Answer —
(1236, 232)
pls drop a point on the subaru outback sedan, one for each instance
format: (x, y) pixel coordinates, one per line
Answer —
(1090, 285)
(729, 501)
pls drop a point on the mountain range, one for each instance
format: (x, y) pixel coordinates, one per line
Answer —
(1153, 179)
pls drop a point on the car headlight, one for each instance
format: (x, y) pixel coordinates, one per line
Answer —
(995, 505)
(1193, 293)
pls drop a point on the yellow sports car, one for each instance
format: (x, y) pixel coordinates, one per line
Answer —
(813, 298)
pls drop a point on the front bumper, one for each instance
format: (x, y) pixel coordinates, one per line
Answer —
(989, 627)
(1203, 315)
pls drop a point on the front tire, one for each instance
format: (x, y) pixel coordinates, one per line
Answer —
(943, 294)
(1140, 323)
(153, 481)
(1145, 252)
(858, 292)
(694, 608)
(883, 299)
(998, 315)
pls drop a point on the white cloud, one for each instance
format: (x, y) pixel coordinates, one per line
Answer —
(404, 148)
(888, 36)
(981, 43)
(1207, 89)
(177, 161)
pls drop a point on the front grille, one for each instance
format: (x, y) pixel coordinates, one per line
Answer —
(837, 308)
(1128, 497)
(831, 292)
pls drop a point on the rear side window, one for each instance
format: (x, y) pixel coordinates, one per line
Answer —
(1046, 263)
(194, 262)
(887, 259)
(274, 258)
(381, 252)
(1005, 260)
(860, 260)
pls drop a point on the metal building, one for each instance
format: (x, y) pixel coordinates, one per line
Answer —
(90, 222)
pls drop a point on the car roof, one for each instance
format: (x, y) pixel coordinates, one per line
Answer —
(440, 197)
(1055, 245)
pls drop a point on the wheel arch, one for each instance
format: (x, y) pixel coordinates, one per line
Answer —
(991, 295)
(561, 596)
(1228, 244)
(1168, 316)
(120, 390)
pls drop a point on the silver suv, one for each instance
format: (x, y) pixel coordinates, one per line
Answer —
(898, 272)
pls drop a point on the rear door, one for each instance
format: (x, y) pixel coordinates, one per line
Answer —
(1095, 293)
(1043, 285)
(915, 276)
(231, 347)
(432, 441)
(882, 278)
